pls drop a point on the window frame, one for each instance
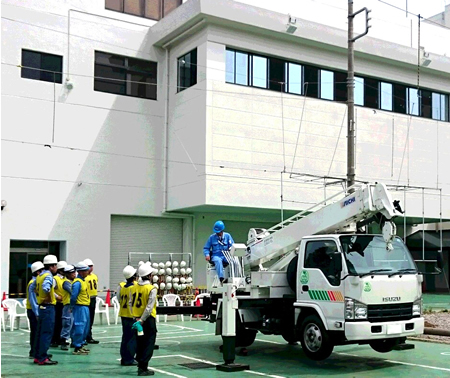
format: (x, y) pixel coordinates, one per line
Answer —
(162, 8)
(192, 70)
(128, 72)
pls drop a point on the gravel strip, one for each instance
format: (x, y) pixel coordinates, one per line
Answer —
(439, 320)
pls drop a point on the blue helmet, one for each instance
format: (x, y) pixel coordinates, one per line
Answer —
(218, 227)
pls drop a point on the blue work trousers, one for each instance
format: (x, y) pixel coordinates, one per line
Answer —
(33, 331)
(67, 321)
(45, 328)
(146, 343)
(128, 345)
(81, 324)
(218, 261)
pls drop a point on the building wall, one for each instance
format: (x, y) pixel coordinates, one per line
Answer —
(103, 153)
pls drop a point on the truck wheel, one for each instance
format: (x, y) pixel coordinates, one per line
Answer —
(384, 346)
(244, 337)
(315, 340)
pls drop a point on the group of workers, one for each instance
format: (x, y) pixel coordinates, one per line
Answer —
(61, 302)
(60, 305)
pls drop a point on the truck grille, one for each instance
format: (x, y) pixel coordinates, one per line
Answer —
(389, 312)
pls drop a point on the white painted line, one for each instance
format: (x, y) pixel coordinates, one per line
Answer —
(266, 375)
(268, 341)
(198, 360)
(177, 326)
(168, 356)
(403, 363)
(418, 365)
(445, 353)
(347, 354)
(166, 372)
(14, 355)
(179, 337)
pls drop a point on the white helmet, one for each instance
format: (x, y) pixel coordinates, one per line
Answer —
(168, 270)
(168, 278)
(189, 279)
(144, 270)
(161, 265)
(156, 286)
(162, 271)
(175, 270)
(188, 270)
(61, 265)
(174, 264)
(162, 285)
(183, 287)
(182, 271)
(129, 271)
(88, 262)
(140, 263)
(182, 264)
(155, 278)
(176, 280)
(183, 280)
(37, 265)
(50, 260)
(175, 286)
(168, 286)
(168, 264)
(155, 265)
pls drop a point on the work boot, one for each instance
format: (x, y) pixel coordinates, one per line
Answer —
(80, 351)
(145, 372)
(92, 341)
(47, 361)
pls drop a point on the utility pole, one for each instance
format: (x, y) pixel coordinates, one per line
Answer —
(351, 91)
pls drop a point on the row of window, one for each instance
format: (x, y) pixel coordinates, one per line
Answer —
(283, 76)
(112, 73)
(152, 9)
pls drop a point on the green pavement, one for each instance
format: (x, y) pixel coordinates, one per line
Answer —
(436, 302)
(193, 342)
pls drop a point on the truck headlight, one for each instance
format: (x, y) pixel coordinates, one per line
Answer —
(355, 309)
(417, 307)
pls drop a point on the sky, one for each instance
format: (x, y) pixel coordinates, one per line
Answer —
(388, 22)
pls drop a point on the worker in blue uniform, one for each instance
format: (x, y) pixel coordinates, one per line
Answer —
(216, 244)
(32, 305)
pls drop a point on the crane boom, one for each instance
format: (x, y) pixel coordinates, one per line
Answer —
(363, 202)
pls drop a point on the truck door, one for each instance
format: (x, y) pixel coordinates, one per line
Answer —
(319, 279)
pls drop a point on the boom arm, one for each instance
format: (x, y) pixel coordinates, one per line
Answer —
(363, 203)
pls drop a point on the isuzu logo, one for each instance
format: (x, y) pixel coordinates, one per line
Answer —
(348, 202)
(391, 299)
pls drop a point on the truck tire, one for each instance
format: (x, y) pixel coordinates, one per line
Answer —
(316, 342)
(385, 346)
(244, 336)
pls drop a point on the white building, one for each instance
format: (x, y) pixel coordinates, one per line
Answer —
(123, 134)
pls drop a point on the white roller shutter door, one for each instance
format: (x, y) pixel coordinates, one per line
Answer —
(141, 234)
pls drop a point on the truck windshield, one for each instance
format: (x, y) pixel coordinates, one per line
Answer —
(367, 254)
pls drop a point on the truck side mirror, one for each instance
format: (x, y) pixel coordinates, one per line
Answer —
(439, 262)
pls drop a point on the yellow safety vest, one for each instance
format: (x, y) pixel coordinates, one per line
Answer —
(58, 289)
(124, 299)
(83, 298)
(28, 294)
(140, 294)
(42, 296)
(65, 294)
(92, 283)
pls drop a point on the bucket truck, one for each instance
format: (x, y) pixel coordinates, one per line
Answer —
(313, 279)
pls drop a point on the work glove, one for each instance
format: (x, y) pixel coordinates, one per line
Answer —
(138, 327)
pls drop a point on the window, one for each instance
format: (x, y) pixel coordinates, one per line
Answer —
(241, 68)
(152, 9)
(125, 76)
(230, 66)
(41, 66)
(277, 74)
(294, 78)
(399, 98)
(340, 86)
(319, 255)
(371, 93)
(413, 101)
(311, 79)
(386, 96)
(359, 91)
(187, 70)
(327, 85)
(425, 99)
(259, 71)
(439, 106)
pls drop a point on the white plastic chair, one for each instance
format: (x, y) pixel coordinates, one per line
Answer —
(116, 305)
(2, 318)
(101, 308)
(199, 297)
(171, 300)
(11, 305)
